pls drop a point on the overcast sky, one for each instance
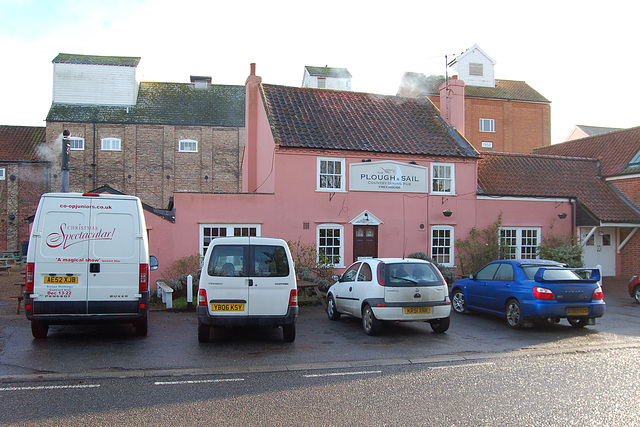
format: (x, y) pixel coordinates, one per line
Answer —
(581, 55)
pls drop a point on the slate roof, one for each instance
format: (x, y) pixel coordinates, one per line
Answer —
(165, 103)
(614, 150)
(596, 130)
(345, 120)
(513, 90)
(19, 143)
(528, 175)
(328, 72)
(122, 61)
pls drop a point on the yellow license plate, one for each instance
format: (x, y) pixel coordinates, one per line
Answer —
(227, 307)
(577, 311)
(417, 310)
(64, 280)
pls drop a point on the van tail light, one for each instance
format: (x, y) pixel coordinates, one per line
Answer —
(293, 298)
(381, 274)
(28, 277)
(202, 297)
(144, 278)
(597, 293)
(543, 293)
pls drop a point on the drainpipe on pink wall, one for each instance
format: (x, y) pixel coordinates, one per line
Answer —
(452, 109)
(250, 158)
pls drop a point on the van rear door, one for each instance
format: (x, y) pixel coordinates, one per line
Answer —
(113, 261)
(272, 276)
(60, 269)
(227, 280)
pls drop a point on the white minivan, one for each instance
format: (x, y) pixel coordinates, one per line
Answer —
(247, 281)
(87, 261)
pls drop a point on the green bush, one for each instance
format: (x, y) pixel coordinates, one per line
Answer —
(448, 274)
(482, 247)
(176, 275)
(561, 249)
(310, 266)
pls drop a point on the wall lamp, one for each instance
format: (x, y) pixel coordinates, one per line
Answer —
(12, 217)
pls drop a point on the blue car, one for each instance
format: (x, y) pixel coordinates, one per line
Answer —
(526, 291)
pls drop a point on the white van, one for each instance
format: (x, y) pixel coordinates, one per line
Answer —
(247, 281)
(88, 260)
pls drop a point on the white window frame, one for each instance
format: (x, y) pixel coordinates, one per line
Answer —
(111, 144)
(76, 143)
(488, 125)
(435, 176)
(342, 174)
(521, 246)
(436, 254)
(3, 174)
(340, 247)
(225, 230)
(187, 146)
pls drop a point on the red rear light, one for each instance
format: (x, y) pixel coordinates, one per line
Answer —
(293, 297)
(543, 293)
(28, 277)
(202, 297)
(144, 278)
(91, 194)
(381, 274)
(597, 293)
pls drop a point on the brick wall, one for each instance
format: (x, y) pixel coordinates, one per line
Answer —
(630, 257)
(149, 164)
(630, 188)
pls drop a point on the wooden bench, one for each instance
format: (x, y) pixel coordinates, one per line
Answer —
(4, 266)
(306, 288)
(20, 296)
(166, 292)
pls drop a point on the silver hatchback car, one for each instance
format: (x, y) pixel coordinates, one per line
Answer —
(395, 289)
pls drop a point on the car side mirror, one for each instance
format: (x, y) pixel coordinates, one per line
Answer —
(153, 263)
(335, 278)
(472, 277)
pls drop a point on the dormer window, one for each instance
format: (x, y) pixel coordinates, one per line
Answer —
(476, 69)
(635, 162)
(322, 82)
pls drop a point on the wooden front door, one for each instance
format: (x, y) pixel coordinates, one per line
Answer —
(365, 241)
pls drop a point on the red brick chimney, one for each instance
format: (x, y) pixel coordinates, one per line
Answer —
(452, 103)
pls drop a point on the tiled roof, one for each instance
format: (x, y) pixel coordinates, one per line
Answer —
(328, 72)
(344, 120)
(614, 150)
(19, 143)
(122, 61)
(165, 103)
(528, 175)
(420, 85)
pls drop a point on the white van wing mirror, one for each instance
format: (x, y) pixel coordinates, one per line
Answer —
(153, 263)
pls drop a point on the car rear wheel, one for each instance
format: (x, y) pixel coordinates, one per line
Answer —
(289, 332)
(458, 302)
(513, 313)
(440, 326)
(39, 329)
(636, 294)
(578, 323)
(203, 332)
(370, 324)
(332, 313)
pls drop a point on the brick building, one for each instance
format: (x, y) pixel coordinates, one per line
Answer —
(24, 176)
(494, 115)
(618, 157)
(147, 139)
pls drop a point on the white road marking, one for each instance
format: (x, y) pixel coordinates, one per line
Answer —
(198, 381)
(49, 387)
(339, 374)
